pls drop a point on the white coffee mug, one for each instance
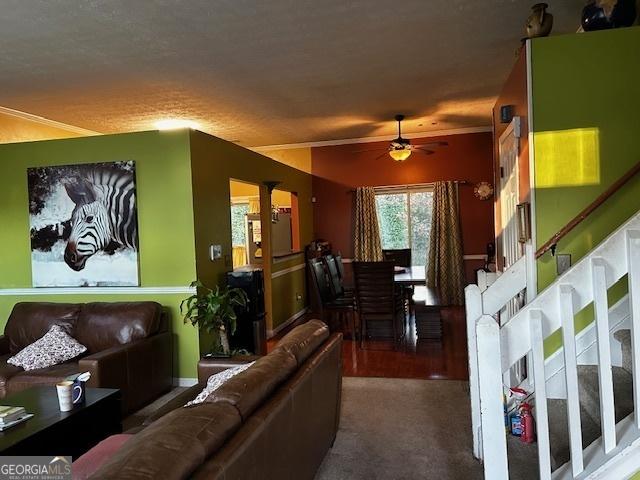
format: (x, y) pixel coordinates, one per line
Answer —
(65, 399)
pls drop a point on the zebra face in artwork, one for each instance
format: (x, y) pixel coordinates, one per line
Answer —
(104, 214)
(90, 233)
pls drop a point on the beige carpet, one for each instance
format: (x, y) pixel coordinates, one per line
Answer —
(402, 429)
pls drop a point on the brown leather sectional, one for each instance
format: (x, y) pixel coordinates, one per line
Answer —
(128, 347)
(275, 420)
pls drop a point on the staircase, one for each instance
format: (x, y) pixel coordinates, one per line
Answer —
(587, 427)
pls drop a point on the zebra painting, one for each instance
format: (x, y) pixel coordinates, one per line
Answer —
(84, 226)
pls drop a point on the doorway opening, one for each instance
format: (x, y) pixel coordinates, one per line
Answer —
(246, 228)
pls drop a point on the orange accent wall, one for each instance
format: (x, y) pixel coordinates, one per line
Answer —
(295, 223)
(339, 169)
(514, 92)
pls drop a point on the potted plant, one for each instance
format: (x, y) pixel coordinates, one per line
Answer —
(215, 312)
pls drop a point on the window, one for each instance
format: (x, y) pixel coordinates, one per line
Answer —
(404, 216)
(238, 224)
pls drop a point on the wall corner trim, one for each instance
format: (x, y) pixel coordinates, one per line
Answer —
(184, 381)
(45, 121)
(282, 326)
(381, 138)
(285, 271)
(19, 292)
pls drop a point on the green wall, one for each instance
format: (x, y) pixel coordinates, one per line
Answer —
(165, 218)
(586, 105)
(214, 163)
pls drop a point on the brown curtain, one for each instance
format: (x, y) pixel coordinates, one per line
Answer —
(445, 268)
(366, 240)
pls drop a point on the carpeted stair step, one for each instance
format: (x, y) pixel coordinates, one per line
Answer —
(590, 391)
(624, 337)
(523, 458)
(559, 431)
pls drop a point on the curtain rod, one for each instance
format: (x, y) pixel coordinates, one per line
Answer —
(412, 185)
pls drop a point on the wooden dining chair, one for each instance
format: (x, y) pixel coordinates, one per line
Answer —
(379, 304)
(335, 279)
(401, 258)
(340, 265)
(332, 309)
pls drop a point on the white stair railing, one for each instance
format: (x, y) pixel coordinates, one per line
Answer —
(488, 302)
(494, 349)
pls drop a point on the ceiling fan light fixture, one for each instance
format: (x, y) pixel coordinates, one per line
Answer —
(400, 155)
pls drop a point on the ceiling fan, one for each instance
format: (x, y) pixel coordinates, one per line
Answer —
(401, 148)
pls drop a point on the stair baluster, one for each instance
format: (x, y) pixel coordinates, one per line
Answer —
(542, 416)
(473, 301)
(494, 442)
(633, 263)
(605, 376)
(565, 307)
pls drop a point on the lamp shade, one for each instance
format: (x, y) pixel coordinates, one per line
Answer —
(400, 155)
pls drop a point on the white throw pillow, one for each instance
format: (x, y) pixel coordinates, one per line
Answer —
(216, 381)
(55, 347)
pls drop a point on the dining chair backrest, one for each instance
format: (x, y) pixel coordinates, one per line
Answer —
(340, 265)
(375, 292)
(334, 275)
(316, 266)
(399, 257)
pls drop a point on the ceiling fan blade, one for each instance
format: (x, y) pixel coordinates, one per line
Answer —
(380, 156)
(370, 150)
(425, 151)
(432, 145)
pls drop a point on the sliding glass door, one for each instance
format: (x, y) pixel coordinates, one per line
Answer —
(404, 216)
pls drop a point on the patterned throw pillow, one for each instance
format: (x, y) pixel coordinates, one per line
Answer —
(216, 381)
(55, 347)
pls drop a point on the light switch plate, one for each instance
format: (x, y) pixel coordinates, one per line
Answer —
(215, 252)
(563, 262)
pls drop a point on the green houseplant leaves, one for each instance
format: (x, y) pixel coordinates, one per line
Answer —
(215, 312)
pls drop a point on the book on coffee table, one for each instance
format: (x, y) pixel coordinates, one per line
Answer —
(8, 414)
(24, 418)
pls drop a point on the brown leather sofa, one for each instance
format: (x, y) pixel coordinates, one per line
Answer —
(128, 347)
(275, 420)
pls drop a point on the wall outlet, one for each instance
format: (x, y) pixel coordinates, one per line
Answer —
(298, 297)
(563, 262)
(215, 252)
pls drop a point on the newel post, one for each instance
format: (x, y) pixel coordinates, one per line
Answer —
(494, 441)
(473, 303)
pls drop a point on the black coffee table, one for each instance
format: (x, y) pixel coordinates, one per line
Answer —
(52, 432)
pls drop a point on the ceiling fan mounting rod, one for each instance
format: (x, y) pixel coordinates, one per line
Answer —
(399, 119)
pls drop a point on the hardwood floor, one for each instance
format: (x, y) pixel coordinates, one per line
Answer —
(426, 359)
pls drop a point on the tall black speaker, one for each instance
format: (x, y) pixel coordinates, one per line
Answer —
(251, 327)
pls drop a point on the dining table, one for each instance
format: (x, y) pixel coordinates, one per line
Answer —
(416, 276)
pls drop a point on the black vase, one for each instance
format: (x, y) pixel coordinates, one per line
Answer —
(594, 16)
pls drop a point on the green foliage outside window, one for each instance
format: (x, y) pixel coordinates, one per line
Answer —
(238, 224)
(400, 212)
(393, 217)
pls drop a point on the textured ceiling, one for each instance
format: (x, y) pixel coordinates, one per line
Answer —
(263, 72)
